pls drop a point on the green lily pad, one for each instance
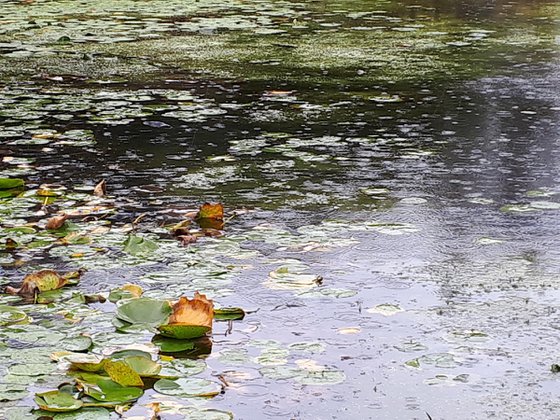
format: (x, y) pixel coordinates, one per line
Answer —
(12, 392)
(11, 316)
(78, 343)
(32, 369)
(172, 345)
(86, 413)
(188, 387)
(226, 314)
(9, 183)
(145, 311)
(138, 245)
(126, 353)
(195, 413)
(111, 393)
(142, 366)
(57, 401)
(183, 331)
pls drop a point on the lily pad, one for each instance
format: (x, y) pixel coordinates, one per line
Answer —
(183, 331)
(12, 392)
(188, 387)
(57, 401)
(112, 393)
(9, 183)
(148, 311)
(11, 316)
(122, 373)
(172, 345)
(226, 314)
(85, 362)
(139, 246)
(143, 366)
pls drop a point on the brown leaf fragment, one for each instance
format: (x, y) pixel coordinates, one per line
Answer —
(198, 311)
(10, 244)
(56, 222)
(211, 211)
(187, 239)
(100, 189)
(212, 233)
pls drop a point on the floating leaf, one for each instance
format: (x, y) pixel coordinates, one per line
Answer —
(12, 392)
(100, 189)
(195, 413)
(122, 373)
(188, 387)
(190, 318)
(182, 331)
(9, 183)
(56, 222)
(78, 343)
(172, 345)
(11, 316)
(385, 309)
(57, 401)
(41, 281)
(86, 362)
(112, 393)
(211, 211)
(138, 245)
(143, 366)
(128, 291)
(229, 314)
(146, 311)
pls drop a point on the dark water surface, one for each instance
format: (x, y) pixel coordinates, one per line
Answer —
(425, 192)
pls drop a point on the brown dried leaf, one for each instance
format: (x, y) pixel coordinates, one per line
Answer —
(100, 189)
(56, 222)
(198, 311)
(187, 239)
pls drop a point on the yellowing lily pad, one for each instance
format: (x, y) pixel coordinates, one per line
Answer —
(122, 373)
(41, 281)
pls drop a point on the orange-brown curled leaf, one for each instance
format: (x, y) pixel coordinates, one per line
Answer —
(56, 222)
(198, 311)
(211, 211)
(41, 281)
(100, 189)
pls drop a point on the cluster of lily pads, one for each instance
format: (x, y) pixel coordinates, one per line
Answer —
(119, 378)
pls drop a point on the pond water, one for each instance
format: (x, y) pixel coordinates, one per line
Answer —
(392, 169)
